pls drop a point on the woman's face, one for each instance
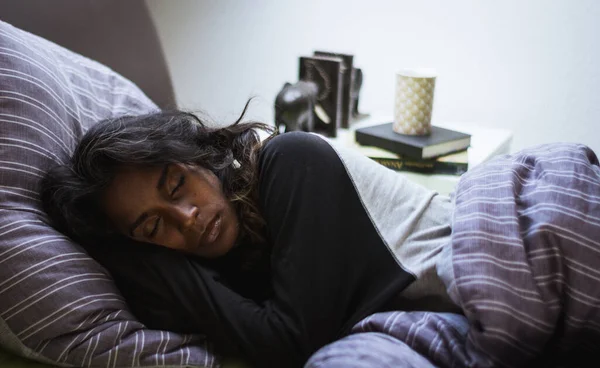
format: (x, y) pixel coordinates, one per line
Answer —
(178, 206)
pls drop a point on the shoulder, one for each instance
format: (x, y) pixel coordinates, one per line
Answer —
(296, 166)
(295, 144)
(297, 156)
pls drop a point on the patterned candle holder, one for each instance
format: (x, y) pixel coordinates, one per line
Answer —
(414, 101)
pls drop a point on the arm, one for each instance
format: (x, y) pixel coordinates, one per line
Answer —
(170, 291)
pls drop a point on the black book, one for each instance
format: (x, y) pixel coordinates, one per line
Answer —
(327, 73)
(440, 142)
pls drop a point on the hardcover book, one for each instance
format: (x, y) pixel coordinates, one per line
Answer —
(453, 164)
(326, 72)
(440, 142)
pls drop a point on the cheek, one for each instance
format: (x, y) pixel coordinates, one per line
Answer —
(172, 238)
(207, 192)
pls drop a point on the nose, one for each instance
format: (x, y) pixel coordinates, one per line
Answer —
(185, 215)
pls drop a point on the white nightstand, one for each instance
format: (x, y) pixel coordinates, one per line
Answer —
(485, 143)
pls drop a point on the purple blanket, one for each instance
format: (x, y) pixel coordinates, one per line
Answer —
(524, 268)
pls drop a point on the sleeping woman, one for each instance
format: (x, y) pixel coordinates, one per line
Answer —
(272, 248)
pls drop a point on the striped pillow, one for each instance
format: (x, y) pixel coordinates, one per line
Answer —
(57, 305)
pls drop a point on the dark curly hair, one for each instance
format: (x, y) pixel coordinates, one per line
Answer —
(71, 193)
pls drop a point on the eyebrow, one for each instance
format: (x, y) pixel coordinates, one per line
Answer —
(163, 177)
(159, 185)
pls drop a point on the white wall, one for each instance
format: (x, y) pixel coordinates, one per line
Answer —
(532, 66)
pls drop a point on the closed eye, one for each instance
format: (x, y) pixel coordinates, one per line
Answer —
(179, 184)
(155, 228)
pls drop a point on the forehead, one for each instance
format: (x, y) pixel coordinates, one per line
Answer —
(136, 173)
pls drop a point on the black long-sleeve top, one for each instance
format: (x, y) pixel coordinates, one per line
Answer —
(328, 267)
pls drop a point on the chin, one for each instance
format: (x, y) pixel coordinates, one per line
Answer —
(220, 250)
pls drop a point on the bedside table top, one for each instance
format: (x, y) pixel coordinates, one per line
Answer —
(485, 144)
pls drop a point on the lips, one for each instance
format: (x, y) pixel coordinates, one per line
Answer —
(212, 231)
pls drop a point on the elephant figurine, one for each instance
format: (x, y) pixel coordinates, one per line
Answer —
(295, 106)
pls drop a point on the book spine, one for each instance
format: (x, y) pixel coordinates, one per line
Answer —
(423, 166)
(367, 140)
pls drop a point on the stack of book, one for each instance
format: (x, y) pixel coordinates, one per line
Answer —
(444, 151)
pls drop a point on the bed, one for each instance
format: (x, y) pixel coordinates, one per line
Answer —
(525, 276)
